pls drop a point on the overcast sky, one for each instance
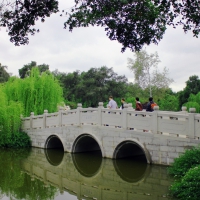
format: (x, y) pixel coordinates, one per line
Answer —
(89, 47)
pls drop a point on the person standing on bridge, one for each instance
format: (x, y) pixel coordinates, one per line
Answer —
(122, 104)
(138, 105)
(150, 105)
(112, 104)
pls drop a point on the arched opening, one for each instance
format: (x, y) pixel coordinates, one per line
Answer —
(87, 156)
(130, 149)
(54, 156)
(85, 143)
(53, 142)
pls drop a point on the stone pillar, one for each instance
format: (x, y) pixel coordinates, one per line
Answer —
(45, 118)
(60, 116)
(130, 106)
(191, 129)
(124, 117)
(79, 106)
(31, 120)
(100, 113)
(184, 109)
(155, 119)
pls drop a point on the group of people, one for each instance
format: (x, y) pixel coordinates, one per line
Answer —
(138, 106)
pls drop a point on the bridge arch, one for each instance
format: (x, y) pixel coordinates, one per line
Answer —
(87, 142)
(131, 148)
(54, 142)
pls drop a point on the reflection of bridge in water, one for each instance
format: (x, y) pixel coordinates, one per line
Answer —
(93, 177)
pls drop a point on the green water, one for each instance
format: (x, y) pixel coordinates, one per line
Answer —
(51, 174)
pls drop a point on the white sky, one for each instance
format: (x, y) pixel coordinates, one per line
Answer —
(89, 47)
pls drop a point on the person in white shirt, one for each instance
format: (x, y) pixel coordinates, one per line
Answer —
(112, 104)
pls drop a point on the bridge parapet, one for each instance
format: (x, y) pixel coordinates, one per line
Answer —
(176, 124)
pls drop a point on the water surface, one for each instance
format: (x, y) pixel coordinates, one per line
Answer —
(52, 174)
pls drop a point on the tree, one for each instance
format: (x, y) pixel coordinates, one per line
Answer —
(36, 92)
(93, 86)
(146, 72)
(25, 71)
(134, 23)
(20, 16)
(4, 75)
(192, 87)
(169, 103)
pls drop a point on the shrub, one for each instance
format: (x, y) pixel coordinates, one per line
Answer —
(16, 140)
(188, 187)
(181, 165)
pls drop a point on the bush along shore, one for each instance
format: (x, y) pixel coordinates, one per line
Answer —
(186, 171)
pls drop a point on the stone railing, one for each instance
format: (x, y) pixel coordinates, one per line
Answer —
(177, 124)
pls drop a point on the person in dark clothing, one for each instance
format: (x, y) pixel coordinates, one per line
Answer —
(149, 108)
(122, 103)
(138, 105)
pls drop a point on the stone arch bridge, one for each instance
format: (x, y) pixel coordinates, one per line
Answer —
(160, 136)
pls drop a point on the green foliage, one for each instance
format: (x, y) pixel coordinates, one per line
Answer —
(25, 71)
(188, 160)
(17, 140)
(188, 187)
(10, 123)
(4, 75)
(186, 170)
(192, 105)
(93, 86)
(169, 103)
(192, 87)
(36, 93)
(135, 23)
(19, 17)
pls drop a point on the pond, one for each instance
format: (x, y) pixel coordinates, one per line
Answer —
(52, 174)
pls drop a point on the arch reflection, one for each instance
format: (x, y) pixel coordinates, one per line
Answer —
(88, 164)
(54, 156)
(132, 171)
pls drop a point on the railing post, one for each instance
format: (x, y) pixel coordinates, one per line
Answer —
(60, 116)
(191, 130)
(45, 118)
(155, 119)
(100, 113)
(31, 120)
(124, 117)
(184, 109)
(130, 106)
(79, 106)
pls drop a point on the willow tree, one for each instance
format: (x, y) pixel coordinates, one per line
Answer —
(37, 93)
(10, 122)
